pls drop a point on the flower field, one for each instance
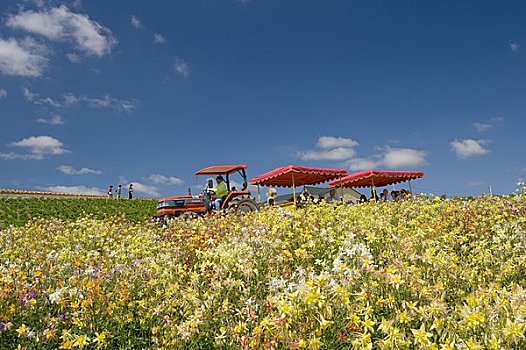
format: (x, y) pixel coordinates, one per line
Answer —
(419, 274)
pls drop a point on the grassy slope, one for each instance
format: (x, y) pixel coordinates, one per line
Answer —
(18, 211)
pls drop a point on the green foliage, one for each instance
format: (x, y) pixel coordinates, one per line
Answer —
(19, 211)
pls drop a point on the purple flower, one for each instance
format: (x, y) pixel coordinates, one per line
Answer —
(62, 316)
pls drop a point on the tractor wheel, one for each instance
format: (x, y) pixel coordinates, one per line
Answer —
(188, 215)
(243, 205)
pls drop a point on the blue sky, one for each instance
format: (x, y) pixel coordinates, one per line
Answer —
(94, 93)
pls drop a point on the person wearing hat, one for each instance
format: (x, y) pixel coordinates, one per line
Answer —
(220, 191)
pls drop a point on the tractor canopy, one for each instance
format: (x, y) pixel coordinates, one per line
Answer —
(221, 169)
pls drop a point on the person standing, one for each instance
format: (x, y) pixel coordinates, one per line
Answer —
(119, 190)
(130, 191)
(110, 191)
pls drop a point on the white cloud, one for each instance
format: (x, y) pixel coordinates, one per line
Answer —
(402, 157)
(53, 120)
(60, 24)
(158, 38)
(482, 126)
(146, 189)
(343, 150)
(69, 99)
(497, 119)
(391, 158)
(181, 67)
(73, 57)
(332, 148)
(81, 189)
(37, 147)
(469, 148)
(514, 46)
(335, 142)
(36, 99)
(107, 101)
(158, 179)
(69, 170)
(136, 22)
(3, 93)
(339, 153)
(358, 164)
(24, 58)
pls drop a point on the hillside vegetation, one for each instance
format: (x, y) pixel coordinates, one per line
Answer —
(419, 274)
(20, 210)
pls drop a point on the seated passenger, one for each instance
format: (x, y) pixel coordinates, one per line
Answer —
(333, 198)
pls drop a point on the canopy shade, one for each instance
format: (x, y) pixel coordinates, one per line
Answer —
(293, 175)
(221, 169)
(377, 178)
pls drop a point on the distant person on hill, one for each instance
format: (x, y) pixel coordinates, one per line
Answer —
(110, 191)
(118, 191)
(130, 191)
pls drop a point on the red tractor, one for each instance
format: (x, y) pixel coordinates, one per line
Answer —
(237, 200)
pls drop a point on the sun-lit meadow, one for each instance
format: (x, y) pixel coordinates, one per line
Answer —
(19, 210)
(420, 274)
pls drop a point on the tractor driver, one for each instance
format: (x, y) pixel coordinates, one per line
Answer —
(221, 192)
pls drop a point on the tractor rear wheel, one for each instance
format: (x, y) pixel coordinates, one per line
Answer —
(243, 205)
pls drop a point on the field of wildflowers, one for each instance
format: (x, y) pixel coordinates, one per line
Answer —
(419, 274)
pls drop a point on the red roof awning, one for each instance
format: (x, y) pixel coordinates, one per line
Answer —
(220, 169)
(299, 175)
(377, 178)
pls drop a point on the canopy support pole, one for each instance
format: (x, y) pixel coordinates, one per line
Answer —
(293, 190)
(259, 194)
(410, 189)
(374, 190)
(341, 189)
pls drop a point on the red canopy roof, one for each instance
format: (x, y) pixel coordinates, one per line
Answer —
(220, 169)
(378, 178)
(282, 177)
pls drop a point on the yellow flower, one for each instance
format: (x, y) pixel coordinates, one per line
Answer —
(22, 330)
(100, 338)
(513, 330)
(68, 344)
(81, 341)
(314, 343)
(404, 317)
(368, 323)
(474, 319)
(421, 335)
